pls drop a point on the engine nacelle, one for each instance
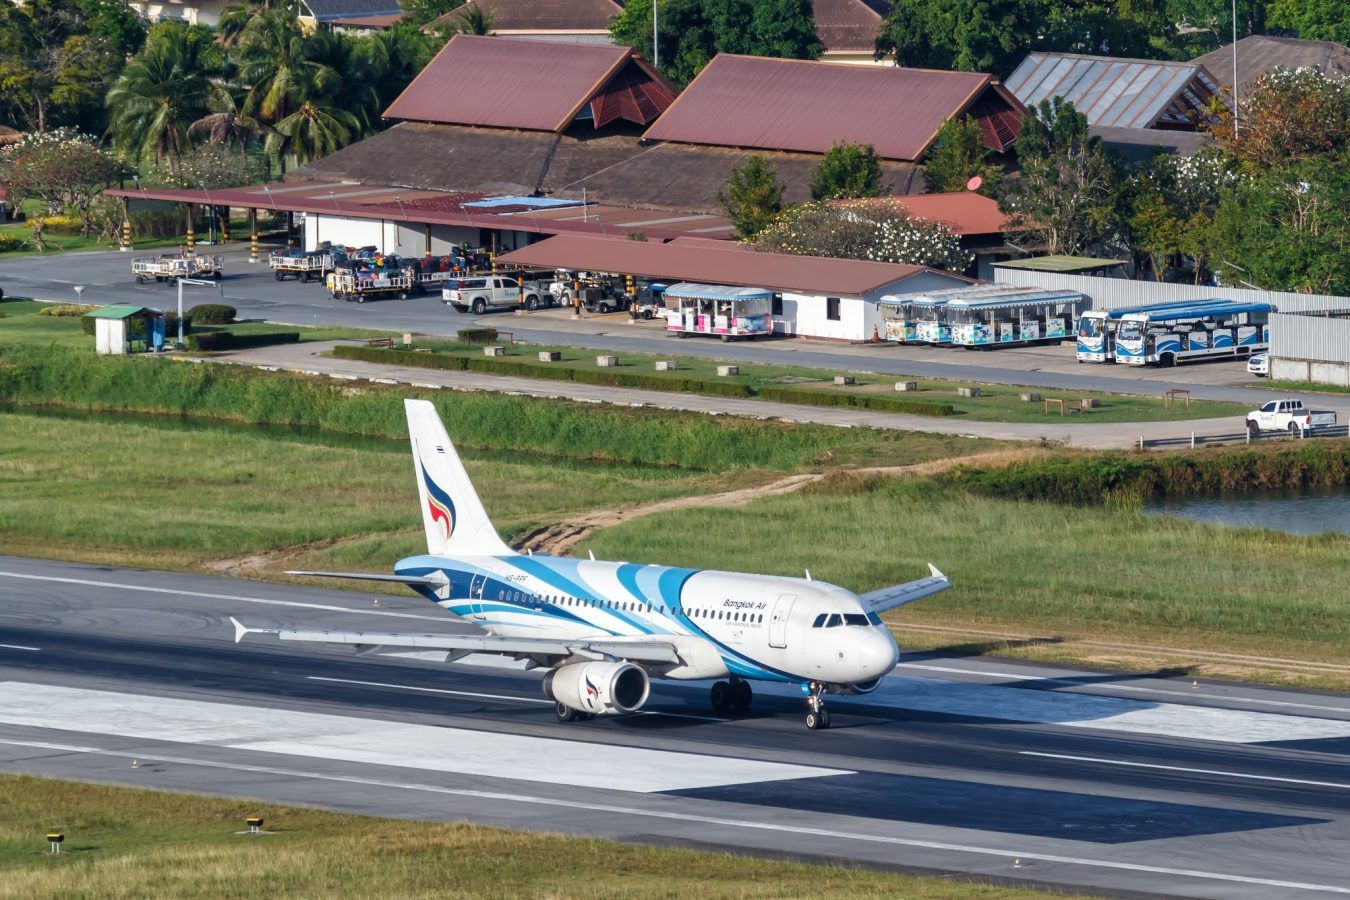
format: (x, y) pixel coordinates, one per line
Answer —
(599, 688)
(861, 687)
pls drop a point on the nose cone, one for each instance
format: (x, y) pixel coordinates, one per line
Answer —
(877, 654)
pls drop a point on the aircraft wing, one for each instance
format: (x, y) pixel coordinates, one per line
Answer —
(434, 581)
(460, 645)
(900, 594)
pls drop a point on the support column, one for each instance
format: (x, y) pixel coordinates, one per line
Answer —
(426, 230)
(224, 224)
(252, 235)
(630, 285)
(191, 233)
(520, 291)
(576, 296)
(126, 225)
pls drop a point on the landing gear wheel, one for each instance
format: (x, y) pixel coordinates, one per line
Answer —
(816, 721)
(722, 696)
(741, 696)
(817, 717)
(566, 713)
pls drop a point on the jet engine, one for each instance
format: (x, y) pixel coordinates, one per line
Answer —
(862, 687)
(599, 688)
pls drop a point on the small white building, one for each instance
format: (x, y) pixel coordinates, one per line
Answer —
(817, 297)
(119, 330)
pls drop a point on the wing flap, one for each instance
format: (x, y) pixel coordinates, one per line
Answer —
(433, 581)
(899, 594)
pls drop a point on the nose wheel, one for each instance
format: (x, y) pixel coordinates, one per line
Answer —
(817, 716)
(731, 696)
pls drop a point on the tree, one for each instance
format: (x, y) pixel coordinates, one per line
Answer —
(863, 229)
(473, 19)
(1313, 20)
(423, 12)
(752, 196)
(1286, 116)
(312, 131)
(1069, 193)
(1173, 200)
(392, 58)
(1209, 25)
(273, 60)
(958, 155)
(61, 168)
(847, 170)
(968, 35)
(163, 90)
(1132, 28)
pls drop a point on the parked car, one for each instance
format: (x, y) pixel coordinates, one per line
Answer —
(1288, 415)
(600, 295)
(1259, 365)
(492, 292)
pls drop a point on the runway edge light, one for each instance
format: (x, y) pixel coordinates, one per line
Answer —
(54, 839)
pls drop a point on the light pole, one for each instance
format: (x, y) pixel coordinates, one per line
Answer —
(1235, 73)
(656, 41)
(198, 282)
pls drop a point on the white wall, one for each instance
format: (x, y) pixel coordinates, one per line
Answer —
(403, 239)
(1113, 293)
(806, 314)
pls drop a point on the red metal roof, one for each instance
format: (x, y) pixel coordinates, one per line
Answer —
(783, 104)
(714, 262)
(964, 212)
(540, 15)
(846, 25)
(501, 82)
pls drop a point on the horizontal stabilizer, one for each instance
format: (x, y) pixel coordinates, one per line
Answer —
(433, 581)
(900, 594)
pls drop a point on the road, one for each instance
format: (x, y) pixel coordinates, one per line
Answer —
(1085, 780)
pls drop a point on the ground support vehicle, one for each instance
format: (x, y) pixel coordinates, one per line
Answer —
(1208, 330)
(726, 312)
(303, 266)
(365, 284)
(1096, 329)
(1018, 317)
(171, 266)
(930, 321)
(597, 294)
(481, 293)
(1289, 415)
(649, 302)
(1259, 365)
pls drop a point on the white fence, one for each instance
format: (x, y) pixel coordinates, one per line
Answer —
(1113, 293)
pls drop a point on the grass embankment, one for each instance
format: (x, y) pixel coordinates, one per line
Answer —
(128, 843)
(1080, 573)
(996, 403)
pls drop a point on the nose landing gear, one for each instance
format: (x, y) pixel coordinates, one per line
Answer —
(817, 716)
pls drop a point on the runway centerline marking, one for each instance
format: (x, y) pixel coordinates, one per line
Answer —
(508, 697)
(717, 820)
(1190, 771)
(20, 647)
(182, 593)
(1139, 689)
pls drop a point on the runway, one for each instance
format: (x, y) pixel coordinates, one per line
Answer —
(1081, 779)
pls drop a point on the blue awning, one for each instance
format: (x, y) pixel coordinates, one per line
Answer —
(692, 291)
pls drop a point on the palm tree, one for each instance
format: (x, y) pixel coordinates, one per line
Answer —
(226, 123)
(473, 20)
(348, 75)
(312, 131)
(273, 59)
(161, 92)
(236, 17)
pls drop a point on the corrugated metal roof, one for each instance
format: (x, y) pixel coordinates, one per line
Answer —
(1054, 263)
(114, 311)
(844, 25)
(716, 263)
(715, 292)
(540, 15)
(804, 106)
(501, 82)
(1257, 54)
(1013, 298)
(1125, 93)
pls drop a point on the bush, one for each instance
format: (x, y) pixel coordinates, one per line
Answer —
(10, 243)
(68, 310)
(87, 325)
(857, 401)
(478, 335)
(212, 314)
(68, 225)
(225, 340)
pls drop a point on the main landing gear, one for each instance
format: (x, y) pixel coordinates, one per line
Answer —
(731, 696)
(566, 713)
(817, 716)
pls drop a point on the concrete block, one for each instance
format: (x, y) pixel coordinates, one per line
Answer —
(494, 351)
(906, 385)
(968, 392)
(606, 362)
(550, 355)
(728, 370)
(1089, 403)
(1029, 397)
(844, 379)
(666, 365)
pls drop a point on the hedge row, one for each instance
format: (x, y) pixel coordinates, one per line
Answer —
(675, 384)
(225, 340)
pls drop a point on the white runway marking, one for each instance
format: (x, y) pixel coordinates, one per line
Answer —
(1002, 852)
(182, 593)
(19, 647)
(380, 742)
(1142, 765)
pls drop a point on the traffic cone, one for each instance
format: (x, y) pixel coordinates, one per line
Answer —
(876, 336)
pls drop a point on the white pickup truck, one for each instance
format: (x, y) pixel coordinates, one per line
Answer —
(481, 293)
(1288, 415)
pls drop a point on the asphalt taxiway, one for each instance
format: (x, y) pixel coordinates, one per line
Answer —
(1087, 780)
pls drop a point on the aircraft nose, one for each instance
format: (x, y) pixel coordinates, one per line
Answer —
(878, 654)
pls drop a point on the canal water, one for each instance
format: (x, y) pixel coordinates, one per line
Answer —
(1296, 511)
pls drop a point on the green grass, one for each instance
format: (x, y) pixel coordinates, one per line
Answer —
(74, 243)
(996, 403)
(1306, 387)
(130, 843)
(1028, 567)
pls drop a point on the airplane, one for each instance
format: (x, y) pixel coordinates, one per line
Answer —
(604, 629)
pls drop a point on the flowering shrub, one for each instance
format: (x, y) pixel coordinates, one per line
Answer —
(875, 230)
(68, 310)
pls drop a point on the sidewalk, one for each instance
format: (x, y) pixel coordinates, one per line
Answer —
(307, 359)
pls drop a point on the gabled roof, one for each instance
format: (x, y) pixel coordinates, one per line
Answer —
(325, 10)
(501, 82)
(1125, 93)
(1259, 53)
(848, 25)
(716, 262)
(804, 106)
(540, 15)
(114, 311)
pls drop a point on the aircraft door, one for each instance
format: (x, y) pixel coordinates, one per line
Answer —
(778, 619)
(476, 585)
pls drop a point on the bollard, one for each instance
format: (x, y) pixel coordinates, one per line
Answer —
(54, 839)
(1192, 440)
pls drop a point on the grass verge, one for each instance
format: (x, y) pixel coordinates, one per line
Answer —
(996, 403)
(1307, 387)
(130, 843)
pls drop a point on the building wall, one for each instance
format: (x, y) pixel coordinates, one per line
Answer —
(402, 238)
(1113, 293)
(807, 315)
(1310, 348)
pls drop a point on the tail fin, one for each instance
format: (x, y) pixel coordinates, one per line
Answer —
(454, 518)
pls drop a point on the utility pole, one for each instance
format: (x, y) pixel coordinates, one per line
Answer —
(1235, 72)
(656, 39)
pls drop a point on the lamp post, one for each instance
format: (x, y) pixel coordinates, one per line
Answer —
(197, 282)
(1235, 73)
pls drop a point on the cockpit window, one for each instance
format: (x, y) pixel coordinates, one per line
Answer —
(855, 619)
(834, 621)
(820, 621)
(873, 619)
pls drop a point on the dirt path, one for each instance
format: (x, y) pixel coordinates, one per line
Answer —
(559, 538)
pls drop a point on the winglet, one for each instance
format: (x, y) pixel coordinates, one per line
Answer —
(936, 574)
(239, 629)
